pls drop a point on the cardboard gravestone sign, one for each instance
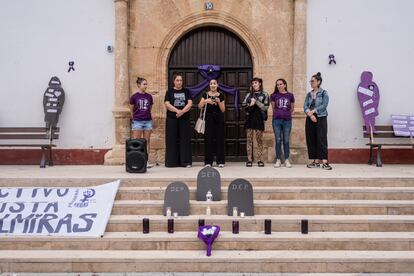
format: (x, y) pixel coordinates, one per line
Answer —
(240, 195)
(53, 100)
(208, 179)
(177, 197)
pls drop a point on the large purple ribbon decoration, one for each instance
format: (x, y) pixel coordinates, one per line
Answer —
(368, 97)
(208, 234)
(210, 72)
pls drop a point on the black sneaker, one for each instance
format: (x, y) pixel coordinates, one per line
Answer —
(249, 164)
(313, 165)
(326, 166)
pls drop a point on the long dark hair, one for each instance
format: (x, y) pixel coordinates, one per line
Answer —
(140, 80)
(260, 84)
(318, 77)
(284, 82)
(218, 88)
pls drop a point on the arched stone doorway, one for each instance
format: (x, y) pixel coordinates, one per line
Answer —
(276, 41)
(215, 45)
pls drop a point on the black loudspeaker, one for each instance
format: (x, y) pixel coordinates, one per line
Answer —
(136, 155)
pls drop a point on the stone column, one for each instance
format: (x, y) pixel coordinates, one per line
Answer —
(121, 109)
(298, 140)
(299, 51)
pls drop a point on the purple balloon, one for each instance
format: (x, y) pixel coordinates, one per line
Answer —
(368, 97)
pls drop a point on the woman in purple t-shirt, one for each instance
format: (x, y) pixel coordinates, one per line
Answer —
(283, 105)
(140, 105)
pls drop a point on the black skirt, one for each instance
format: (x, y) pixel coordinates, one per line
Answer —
(254, 119)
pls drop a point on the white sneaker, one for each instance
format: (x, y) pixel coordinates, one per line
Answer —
(188, 166)
(287, 164)
(277, 164)
(207, 166)
(149, 165)
(221, 165)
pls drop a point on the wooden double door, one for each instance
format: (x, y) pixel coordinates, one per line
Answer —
(218, 46)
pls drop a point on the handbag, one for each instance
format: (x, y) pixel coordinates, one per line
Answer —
(200, 125)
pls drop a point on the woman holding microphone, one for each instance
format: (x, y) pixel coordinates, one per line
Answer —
(213, 102)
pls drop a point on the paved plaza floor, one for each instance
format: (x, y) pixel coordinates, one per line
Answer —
(231, 171)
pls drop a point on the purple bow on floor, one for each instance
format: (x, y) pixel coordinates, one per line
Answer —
(208, 234)
(210, 72)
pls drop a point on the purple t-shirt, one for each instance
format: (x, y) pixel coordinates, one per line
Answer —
(142, 106)
(283, 105)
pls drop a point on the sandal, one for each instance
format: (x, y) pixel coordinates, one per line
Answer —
(260, 164)
(249, 164)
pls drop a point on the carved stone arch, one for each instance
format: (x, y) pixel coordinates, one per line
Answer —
(197, 20)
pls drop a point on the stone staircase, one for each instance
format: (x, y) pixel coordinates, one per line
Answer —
(355, 225)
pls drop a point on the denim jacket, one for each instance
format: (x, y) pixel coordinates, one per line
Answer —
(321, 102)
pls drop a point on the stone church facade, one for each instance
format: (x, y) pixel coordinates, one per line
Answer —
(147, 32)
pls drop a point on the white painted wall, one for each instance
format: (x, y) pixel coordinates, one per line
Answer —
(373, 35)
(37, 40)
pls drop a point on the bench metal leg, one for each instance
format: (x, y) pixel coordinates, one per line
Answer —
(43, 158)
(370, 155)
(379, 163)
(50, 157)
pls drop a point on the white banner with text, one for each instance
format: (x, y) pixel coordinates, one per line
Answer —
(63, 211)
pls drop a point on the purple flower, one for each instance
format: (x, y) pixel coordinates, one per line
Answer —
(208, 233)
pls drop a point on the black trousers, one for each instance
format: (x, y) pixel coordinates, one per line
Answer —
(317, 138)
(214, 138)
(177, 142)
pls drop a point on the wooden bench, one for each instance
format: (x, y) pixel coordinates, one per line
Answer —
(384, 132)
(32, 133)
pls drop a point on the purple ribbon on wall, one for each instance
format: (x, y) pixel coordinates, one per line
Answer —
(210, 72)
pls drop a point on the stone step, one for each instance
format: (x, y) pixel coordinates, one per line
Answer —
(394, 241)
(290, 193)
(196, 261)
(140, 180)
(292, 207)
(280, 223)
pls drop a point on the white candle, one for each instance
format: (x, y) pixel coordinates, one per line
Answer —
(208, 211)
(168, 212)
(235, 212)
